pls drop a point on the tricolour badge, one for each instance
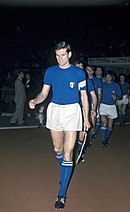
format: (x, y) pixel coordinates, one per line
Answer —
(72, 84)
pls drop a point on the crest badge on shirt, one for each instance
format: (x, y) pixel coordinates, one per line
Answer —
(72, 84)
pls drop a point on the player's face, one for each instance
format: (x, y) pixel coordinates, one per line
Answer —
(109, 78)
(62, 57)
(80, 65)
(122, 78)
(98, 72)
(89, 71)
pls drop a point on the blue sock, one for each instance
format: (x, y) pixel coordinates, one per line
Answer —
(65, 174)
(91, 136)
(124, 117)
(79, 145)
(97, 126)
(121, 117)
(59, 158)
(103, 134)
(108, 132)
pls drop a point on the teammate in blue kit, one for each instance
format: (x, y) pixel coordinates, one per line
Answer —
(92, 113)
(64, 116)
(108, 112)
(122, 104)
(98, 90)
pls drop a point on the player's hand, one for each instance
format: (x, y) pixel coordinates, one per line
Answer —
(32, 103)
(93, 114)
(86, 125)
(113, 97)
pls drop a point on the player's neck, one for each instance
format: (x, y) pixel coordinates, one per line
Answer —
(65, 66)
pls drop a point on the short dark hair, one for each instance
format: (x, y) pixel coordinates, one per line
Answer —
(122, 74)
(109, 72)
(92, 67)
(101, 67)
(63, 45)
(77, 62)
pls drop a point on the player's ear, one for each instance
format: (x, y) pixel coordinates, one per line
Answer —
(70, 54)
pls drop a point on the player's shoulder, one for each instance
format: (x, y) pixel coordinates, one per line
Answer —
(89, 81)
(128, 84)
(97, 79)
(52, 68)
(105, 84)
(78, 70)
(116, 83)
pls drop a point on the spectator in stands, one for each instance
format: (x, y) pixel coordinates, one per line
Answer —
(20, 98)
(30, 89)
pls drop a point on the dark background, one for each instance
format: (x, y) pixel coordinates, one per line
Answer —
(27, 34)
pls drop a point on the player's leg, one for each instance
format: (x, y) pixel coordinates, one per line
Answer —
(112, 114)
(80, 137)
(103, 129)
(124, 114)
(80, 142)
(120, 113)
(97, 125)
(66, 167)
(109, 130)
(67, 164)
(57, 139)
(92, 130)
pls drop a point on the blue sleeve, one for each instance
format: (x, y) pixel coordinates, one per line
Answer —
(47, 77)
(118, 90)
(90, 86)
(82, 81)
(99, 83)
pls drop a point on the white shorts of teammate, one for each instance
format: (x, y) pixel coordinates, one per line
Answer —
(64, 117)
(123, 101)
(108, 110)
(97, 115)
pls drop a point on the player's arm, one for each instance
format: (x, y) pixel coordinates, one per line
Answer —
(118, 93)
(40, 97)
(94, 104)
(99, 97)
(85, 104)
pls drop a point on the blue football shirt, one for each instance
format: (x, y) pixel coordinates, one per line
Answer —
(90, 86)
(65, 83)
(108, 90)
(97, 83)
(124, 87)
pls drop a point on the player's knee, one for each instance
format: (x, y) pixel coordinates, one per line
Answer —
(104, 124)
(68, 156)
(58, 150)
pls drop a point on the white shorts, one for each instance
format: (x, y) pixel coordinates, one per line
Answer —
(108, 110)
(97, 115)
(64, 117)
(124, 101)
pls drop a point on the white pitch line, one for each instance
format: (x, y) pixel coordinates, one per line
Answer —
(17, 127)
